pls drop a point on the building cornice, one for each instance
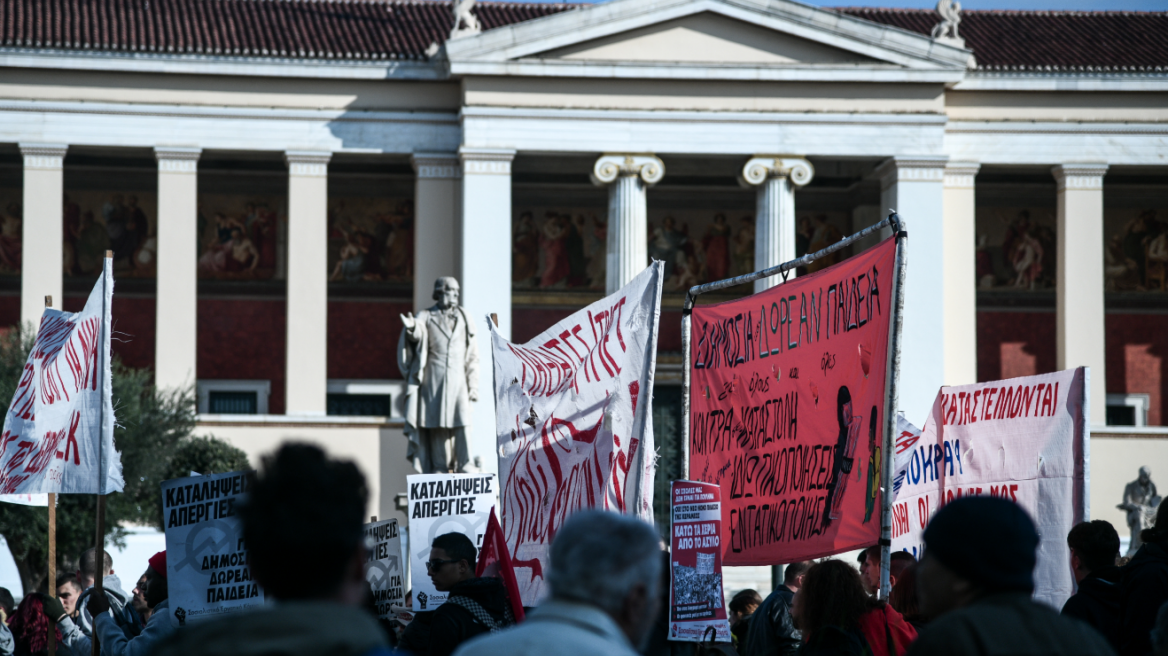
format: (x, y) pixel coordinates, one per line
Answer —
(1134, 81)
(713, 71)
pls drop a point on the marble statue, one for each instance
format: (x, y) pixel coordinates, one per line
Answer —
(1140, 501)
(438, 357)
(465, 22)
(946, 30)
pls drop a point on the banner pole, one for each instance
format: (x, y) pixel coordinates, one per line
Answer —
(892, 382)
(52, 586)
(103, 368)
(685, 376)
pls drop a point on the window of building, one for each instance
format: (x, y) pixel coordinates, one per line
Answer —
(365, 398)
(1127, 409)
(234, 397)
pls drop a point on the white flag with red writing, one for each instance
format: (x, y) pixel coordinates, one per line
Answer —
(573, 413)
(59, 431)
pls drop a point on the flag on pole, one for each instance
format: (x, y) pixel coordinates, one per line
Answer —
(495, 561)
(61, 419)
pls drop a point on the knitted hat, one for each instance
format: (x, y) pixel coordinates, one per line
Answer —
(158, 563)
(990, 541)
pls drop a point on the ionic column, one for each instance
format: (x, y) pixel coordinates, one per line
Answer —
(1079, 313)
(437, 189)
(627, 177)
(42, 251)
(176, 299)
(914, 187)
(960, 274)
(306, 369)
(776, 178)
(483, 266)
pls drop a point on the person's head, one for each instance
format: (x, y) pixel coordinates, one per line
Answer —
(832, 595)
(975, 546)
(68, 589)
(1094, 546)
(6, 601)
(1145, 474)
(87, 567)
(303, 509)
(138, 600)
(452, 561)
(446, 292)
(743, 605)
(612, 562)
(794, 573)
(903, 596)
(1158, 532)
(29, 626)
(870, 567)
(157, 589)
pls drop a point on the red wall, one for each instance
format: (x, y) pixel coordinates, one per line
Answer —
(133, 328)
(9, 310)
(1011, 344)
(363, 339)
(1136, 346)
(243, 340)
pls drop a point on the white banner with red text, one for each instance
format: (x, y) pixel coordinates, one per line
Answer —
(573, 413)
(59, 430)
(1022, 439)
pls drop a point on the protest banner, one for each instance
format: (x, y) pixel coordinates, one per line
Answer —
(495, 560)
(26, 499)
(59, 429)
(206, 559)
(696, 601)
(573, 417)
(441, 504)
(384, 570)
(788, 410)
(1023, 439)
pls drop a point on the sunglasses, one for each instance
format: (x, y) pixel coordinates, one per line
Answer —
(432, 565)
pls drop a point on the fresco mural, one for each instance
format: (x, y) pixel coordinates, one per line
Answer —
(1015, 248)
(371, 239)
(97, 221)
(560, 248)
(242, 236)
(1135, 252)
(11, 219)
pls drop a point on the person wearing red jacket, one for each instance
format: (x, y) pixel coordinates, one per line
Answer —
(837, 616)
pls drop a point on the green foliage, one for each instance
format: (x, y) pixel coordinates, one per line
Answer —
(205, 455)
(151, 425)
(667, 439)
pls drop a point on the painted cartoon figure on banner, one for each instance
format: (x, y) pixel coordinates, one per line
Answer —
(874, 466)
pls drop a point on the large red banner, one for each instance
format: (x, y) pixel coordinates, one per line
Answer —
(787, 404)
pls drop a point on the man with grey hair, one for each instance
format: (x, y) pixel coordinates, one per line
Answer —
(604, 575)
(439, 359)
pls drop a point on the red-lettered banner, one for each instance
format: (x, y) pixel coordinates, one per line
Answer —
(787, 405)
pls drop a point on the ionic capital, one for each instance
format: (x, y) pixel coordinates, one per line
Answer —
(612, 166)
(1079, 175)
(761, 167)
(46, 157)
(486, 161)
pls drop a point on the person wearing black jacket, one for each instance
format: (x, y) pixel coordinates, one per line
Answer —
(1144, 588)
(772, 631)
(1094, 548)
(474, 606)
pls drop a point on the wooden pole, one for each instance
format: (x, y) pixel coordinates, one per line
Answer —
(100, 540)
(52, 550)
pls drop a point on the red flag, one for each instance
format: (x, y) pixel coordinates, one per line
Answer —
(495, 561)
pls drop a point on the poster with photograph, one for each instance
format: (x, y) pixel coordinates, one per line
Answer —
(206, 558)
(696, 600)
(441, 504)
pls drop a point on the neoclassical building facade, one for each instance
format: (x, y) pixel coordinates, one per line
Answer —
(281, 180)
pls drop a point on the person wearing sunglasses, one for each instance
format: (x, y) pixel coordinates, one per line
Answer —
(476, 605)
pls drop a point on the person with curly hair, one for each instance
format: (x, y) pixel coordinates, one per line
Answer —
(838, 617)
(30, 628)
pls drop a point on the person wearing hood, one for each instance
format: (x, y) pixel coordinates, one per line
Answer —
(1144, 588)
(1094, 549)
(119, 600)
(112, 637)
(474, 606)
(303, 524)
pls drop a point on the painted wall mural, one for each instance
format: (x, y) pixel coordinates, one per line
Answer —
(97, 221)
(371, 239)
(242, 236)
(1135, 252)
(11, 220)
(1015, 248)
(558, 248)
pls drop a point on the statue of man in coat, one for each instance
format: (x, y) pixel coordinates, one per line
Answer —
(439, 359)
(1141, 501)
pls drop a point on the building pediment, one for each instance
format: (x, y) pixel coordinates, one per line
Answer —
(711, 39)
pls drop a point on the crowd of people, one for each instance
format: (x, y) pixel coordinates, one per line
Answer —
(971, 593)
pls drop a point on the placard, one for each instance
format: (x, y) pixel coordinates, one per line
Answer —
(696, 601)
(384, 570)
(441, 504)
